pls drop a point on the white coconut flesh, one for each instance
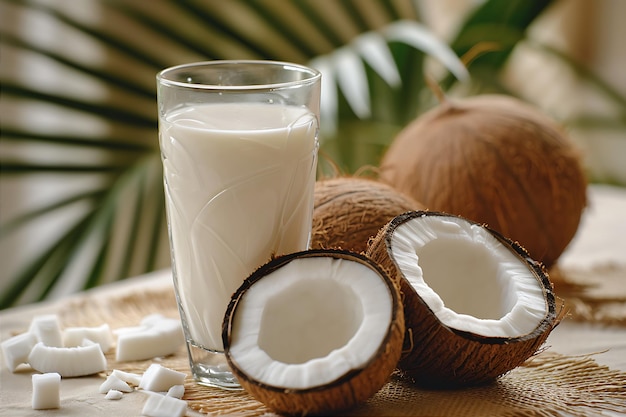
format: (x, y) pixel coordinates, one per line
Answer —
(469, 279)
(310, 322)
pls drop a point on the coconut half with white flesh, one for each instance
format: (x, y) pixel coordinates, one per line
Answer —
(314, 332)
(476, 305)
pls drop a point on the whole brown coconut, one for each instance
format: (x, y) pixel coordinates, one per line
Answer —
(348, 211)
(494, 160)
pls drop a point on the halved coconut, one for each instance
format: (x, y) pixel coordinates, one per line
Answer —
(314, 331)
(475, 304)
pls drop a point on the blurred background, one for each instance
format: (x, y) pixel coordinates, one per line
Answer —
(81, 199)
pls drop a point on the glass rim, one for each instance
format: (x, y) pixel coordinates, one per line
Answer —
(164, 76)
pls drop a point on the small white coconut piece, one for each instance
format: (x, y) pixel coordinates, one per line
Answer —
(159, 405)
(46, 391)
(113, 382)
(128, 377)
(47, 329)
(17, 348)
(475, 304)
(176, 391)
(102, 335)
(156, 336)
(314, 332)
(158, 378)
(114, 395)
(68, 362)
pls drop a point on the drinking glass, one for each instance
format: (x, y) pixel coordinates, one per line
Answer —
(239, 145)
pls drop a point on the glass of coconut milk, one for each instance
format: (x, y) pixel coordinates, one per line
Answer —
(239, 145)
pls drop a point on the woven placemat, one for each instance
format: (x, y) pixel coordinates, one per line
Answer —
(546, 385)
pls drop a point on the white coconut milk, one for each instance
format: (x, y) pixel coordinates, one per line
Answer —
(239, 187)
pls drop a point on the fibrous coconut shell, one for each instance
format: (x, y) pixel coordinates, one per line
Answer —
(495, 160)
(436, 355)
(351, 388)
(348, 211)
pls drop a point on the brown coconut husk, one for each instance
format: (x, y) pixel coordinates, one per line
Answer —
(436, 355)
(495, 160)
(349, 389)
(348, 211)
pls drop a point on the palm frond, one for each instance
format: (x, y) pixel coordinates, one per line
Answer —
(345, 67)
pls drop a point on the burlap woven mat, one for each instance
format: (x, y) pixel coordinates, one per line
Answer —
(548, 384)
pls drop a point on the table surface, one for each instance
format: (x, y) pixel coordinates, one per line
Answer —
(599, 241)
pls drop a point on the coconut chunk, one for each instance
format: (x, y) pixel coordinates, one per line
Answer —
(47, 329)
(314, 331)
(156, 336)
(102, 335)
(17, 348)
(114, 395)
(68, 362)
(176, 391)
(158, 378)
(464, 286)
(128, 377)
(164, 406)
(114, 383)
(46, 391)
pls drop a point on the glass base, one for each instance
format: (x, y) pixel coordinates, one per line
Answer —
(210, 368)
